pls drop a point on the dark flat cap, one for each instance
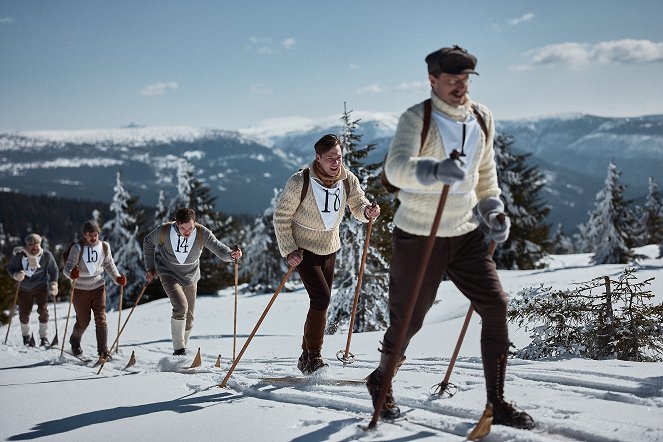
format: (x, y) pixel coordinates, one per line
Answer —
(454, 60)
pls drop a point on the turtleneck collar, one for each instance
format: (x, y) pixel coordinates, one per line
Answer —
(458, 113)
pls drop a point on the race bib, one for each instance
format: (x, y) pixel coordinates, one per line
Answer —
(93, 257)
(329, 202)
(30, 269)
(181, 245)
(451, 132)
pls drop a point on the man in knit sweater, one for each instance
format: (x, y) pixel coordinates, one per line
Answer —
(172, 253)
(306, 224)
(86, 263)
(37, 274)
(460, 250)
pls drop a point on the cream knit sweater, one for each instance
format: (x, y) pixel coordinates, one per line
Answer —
(301, 226)
(418, 203)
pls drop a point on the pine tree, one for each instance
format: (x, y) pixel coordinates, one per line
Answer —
(605, 231)
(263, 266)
(372, 310)
(562, 244)
(123, 235)
(651, 218)
(528, 241)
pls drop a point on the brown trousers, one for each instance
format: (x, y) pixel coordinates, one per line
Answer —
(317, 273)
(466, 262)
(88, 303)
(26, 299)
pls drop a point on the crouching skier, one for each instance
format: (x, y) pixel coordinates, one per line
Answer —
(306, 223)
(176, 261)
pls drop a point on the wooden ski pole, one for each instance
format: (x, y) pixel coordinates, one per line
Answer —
(102, 359)
(11, 314)
(55, 319)
(66, 324)
(119, 319)
(347, 357)
(255, 329)
(443, 386)
(414, 296)
(235, 319)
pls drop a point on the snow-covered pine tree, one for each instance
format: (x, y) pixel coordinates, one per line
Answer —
(562, 244)
(372, 309)
(123, 232)
(528, 241)
(605, 231)
(651, 217)
(263, 266)
(161, 212)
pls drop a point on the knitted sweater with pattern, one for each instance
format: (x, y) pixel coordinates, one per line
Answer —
(418, 202)
(301, 226)
(90, 280)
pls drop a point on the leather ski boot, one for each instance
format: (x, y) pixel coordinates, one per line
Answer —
(374, 383)
(315, 362)
(26, 340)
(504, 413)
(76, 349)
(302, 362)
(43, 342)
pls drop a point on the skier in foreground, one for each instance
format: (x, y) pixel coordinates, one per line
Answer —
(460, 249)
(306, 224)
(176, 261)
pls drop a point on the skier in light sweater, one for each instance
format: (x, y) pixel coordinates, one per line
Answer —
(306, 225)
(172, 253)
(86, 263)
(460, 250)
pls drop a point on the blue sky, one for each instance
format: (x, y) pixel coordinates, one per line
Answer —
(220, 64)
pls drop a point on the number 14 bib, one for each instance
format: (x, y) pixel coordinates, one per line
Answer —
(329, 200)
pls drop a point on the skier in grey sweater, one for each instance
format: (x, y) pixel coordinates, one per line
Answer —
(37, 274)
(172, 253)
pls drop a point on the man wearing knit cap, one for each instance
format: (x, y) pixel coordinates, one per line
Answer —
(421, 169)
(37, 274)
(172, 253)
(88, 259)
(306, 223)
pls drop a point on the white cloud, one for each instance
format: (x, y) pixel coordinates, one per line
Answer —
(261, 45)
(354, 66)
(158, 88)
(522, 19)
(288, 43)
(259, 89)
(7, 20)
(413, 86)
(577, 54)
(371, 89)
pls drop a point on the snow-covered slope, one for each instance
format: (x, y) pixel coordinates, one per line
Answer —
(50, 398)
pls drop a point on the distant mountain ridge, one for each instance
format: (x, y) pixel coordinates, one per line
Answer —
(242, 168)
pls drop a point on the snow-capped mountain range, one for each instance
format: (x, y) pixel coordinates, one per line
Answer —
(243, 167)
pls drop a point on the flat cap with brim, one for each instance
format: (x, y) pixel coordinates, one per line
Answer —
(454, 60)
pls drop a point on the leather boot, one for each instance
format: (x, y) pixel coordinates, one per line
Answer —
(75, 342)
(374, 381)
(494, 356)
(314, 329)
(102, 340)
